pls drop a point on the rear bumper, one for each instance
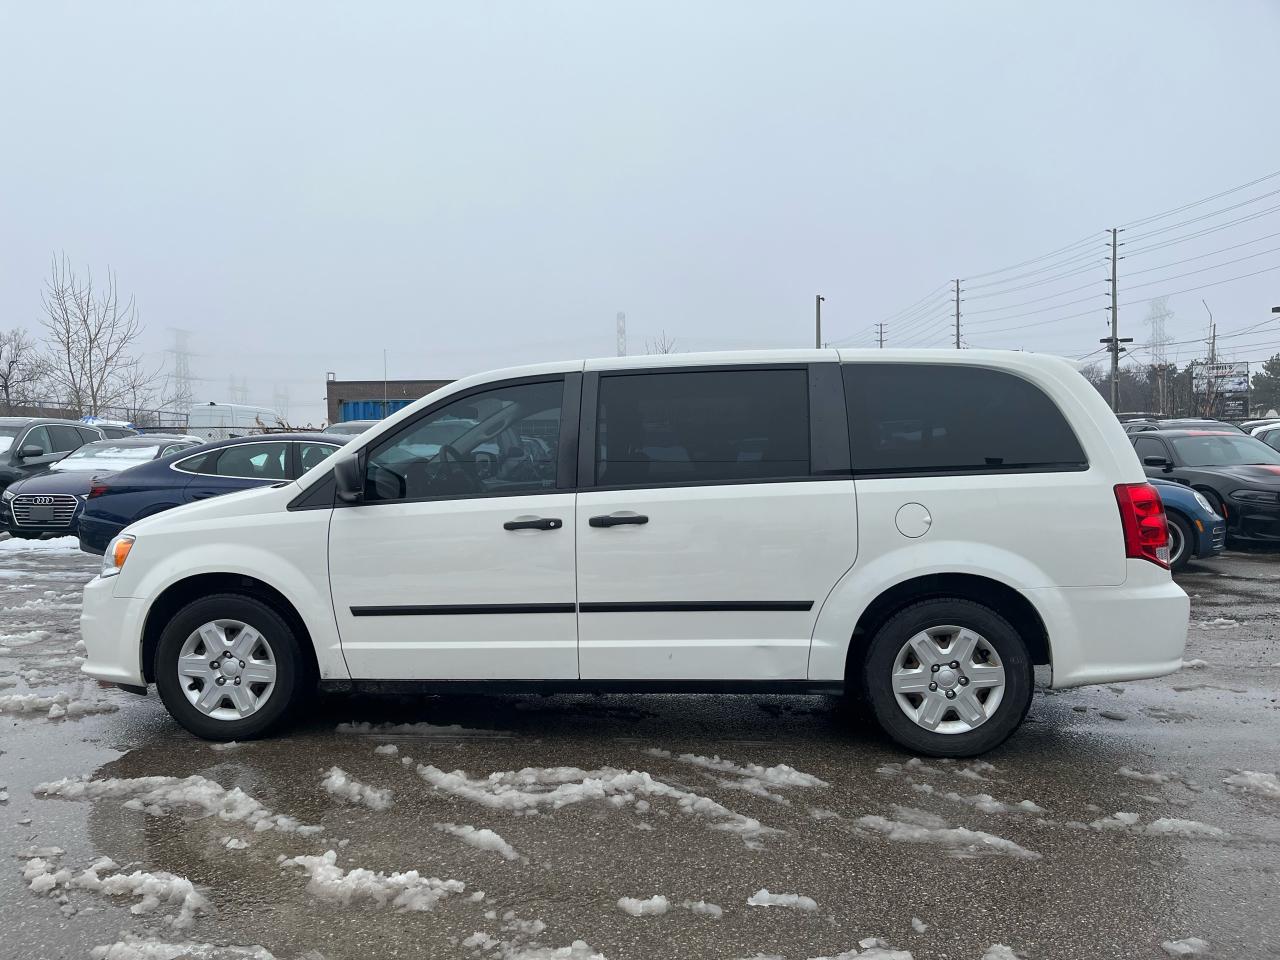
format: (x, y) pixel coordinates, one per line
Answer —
(111, 628)
(95, 534)
(1108, 634)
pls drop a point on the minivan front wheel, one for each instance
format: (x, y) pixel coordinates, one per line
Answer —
(228, 667)
(948, 677)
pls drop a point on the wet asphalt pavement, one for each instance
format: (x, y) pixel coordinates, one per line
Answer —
(929, 857)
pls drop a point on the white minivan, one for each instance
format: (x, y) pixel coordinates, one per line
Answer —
(916, 529)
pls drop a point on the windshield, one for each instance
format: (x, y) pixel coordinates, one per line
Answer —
(1218, 450)
(7, 435)
(92, 455)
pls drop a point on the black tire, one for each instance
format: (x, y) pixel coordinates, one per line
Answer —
(1182, 537)
(293, 675)
(882, 652)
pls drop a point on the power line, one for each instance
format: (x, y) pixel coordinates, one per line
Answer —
(1015, 266)
(1032, 273)
(1049, 296)
(1196, 203)
(1204, 232)
(1210, 253)
(1206, 216)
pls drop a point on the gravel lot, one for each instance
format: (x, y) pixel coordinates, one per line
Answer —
(1119, 821)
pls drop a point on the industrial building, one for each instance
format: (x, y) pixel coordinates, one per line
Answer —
(372, 399)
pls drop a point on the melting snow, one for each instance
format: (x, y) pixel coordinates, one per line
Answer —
(387, 749)
(56, 545)
(654, 906)
(998, 951)
(341, 784)
(1217, 623)
(916, 826)
(150, 889)
(1194, 664)
(408, 891)
(158, 795)
(1251, 781)
(704, 908)
(763, 898)
(417, 729)
(982, 801)
(1190, 947)
(1147, 777)
(483, 839)
(135, 949)
(1164, 827)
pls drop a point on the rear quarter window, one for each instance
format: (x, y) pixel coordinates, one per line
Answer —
(940, 418)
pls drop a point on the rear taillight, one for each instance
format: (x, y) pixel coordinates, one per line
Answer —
(97, 490)
(1146, 532)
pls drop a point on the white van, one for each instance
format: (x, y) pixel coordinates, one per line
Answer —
(222, 421)
(916, 528)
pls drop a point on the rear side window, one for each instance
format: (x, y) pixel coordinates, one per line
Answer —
(66, 438)
(254, 461)
(720, 426)
(938, 418)
(1149, 447)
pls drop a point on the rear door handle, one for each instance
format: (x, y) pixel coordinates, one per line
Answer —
(618, 519)
(534, 523)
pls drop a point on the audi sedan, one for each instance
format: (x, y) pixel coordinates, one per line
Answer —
(51, 502)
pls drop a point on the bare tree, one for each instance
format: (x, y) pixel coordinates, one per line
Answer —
(661, 344)
(92, 340)
(21, 368)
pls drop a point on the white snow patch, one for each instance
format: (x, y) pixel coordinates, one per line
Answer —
(233, 843)
(526, 791)
(224, 747)
(151, 890)
(341, 784)
(387, 749)
(417, 729)
(982, 801)
(918, 925)
(1217, 623)
(483, 839)
(1163, 827)
(23, 639)
(158, 796)
(818, 813)
(138, 949)
(1251, 781)
(1190, 947)
(1194, 664)
(961, 841)
(703, 908)
(795, 901)
(1141, 777)
(409, 891)
(654, 906)
(56, 545)
(998, 951)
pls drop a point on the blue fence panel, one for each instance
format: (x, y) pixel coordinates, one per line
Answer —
(369, 409)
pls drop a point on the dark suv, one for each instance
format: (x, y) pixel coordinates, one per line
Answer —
(29, 444)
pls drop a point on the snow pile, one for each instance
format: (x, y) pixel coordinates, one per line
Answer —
(533, 788)
(916, 826)
(763, 898)
(1164, 827)
(23, 639)
(341, 784)
(918, 925)
(482, 839)
(998, 951)
(232, 843)
(703, 908)
(1141, 777)
(654, 906)
(1194, 664)
(752, 778)
(1190, 947)
(151, 890)
(408, 892)
(56, 545)
(31, 702)
(137, 949)
(387, 749)
(982, 801)
(1217, 623)
(157, 796)
(1251, 781)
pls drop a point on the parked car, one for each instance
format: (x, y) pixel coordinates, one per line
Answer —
(697, 527)
(1196, 423)
(111, 429)
(51, 502)
(1238, 475)
(350, 428)
(28, 445)
(1268, 433)
(197, 473)
(1196, 532)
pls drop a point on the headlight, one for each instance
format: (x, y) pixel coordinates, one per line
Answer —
(1204, 504)
(7, 495)
(1255, 496)
(117, 553)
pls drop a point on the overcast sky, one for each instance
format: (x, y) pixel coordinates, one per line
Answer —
(474, 185)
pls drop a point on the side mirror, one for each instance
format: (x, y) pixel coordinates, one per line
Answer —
(1161, 462)
(348, 478)
(30, 451)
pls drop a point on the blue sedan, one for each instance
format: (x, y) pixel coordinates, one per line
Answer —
(1195, 531)
(210, 470)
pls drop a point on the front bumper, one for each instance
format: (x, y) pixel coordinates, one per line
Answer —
(111, 628)
(1134, 631)
(1254, 521)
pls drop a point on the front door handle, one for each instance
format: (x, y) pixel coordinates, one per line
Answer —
(534, 523)
(618, 519)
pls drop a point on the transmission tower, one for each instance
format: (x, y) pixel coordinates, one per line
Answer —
(622, 334)
(239, 390)
(1159, 314)
(280, 401)
(182, 378)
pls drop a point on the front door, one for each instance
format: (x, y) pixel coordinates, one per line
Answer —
(459, 562)
(710, 529)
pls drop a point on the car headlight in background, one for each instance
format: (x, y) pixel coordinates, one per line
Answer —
(1256, 496)
(117, 553)
(7, 495)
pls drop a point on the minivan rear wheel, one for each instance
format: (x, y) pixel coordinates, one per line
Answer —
(228, 667)
(948, 677)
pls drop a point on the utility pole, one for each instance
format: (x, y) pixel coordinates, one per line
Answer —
(621, 319)
(1213, 334)
(384, 382)
(817, 320)
(1113, 342)
(957, 283)
(880, 335)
